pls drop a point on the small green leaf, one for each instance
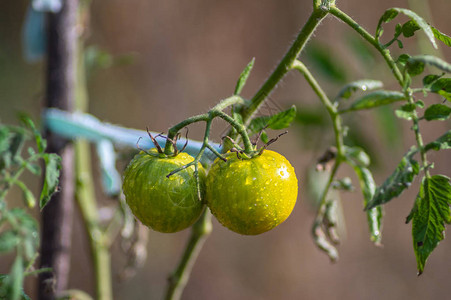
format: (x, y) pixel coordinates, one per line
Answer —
(398, 181)
(428, 80)
(414, 67)
(403, 58)
(388, 15)
(443, 142)
(409, 28)
(374, 99)
(431, 60)
(437, 112)
(391, 13)
(442, 87)
(52, 172)
(40, 142)
(243, 77)
(362, 85)
(278, 121)
(8, 241)
(441, 36)
(264, 137)
(407, 111)
(429, 217)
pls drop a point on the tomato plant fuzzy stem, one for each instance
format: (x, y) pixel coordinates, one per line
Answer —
(370, 39)
(177, 281)
(318, 14)
(216, 111)
(396, 72)
(85, 191)
(317, 232)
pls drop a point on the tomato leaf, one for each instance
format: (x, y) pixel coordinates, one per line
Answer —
(52, 172)
(243, 77)
(409, 28)
(406, 111)
(278, 121)
(430, 213)
(374, 99)
(430, 60)
(443, 142)
(362, 85)
(441, 36)
(375, 214)
(437, 112)
(40, 142)
(391, 13)
(398, 181)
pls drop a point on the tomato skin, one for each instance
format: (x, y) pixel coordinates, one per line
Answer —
(251, 196)
(163, 204)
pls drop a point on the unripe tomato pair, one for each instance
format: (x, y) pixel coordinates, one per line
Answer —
(248, 196)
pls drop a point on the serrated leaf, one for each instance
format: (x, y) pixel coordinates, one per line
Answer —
(437, 112)
(431, 60)
(398, 181)
(374, 215)
(443, 142)
(278, 121)
(441, 36)
(391, 13)
(362, 85)
(243, 77)
(409, 28)
(374, 99)
(52, 172)
(8, 241)
(429, 218)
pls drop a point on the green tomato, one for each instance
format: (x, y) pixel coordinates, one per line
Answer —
(164, 204)
(251, 196)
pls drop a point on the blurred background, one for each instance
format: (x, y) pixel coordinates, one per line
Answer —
(168, 60)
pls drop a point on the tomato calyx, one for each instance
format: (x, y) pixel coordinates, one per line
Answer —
(160, 153)
(242, 154)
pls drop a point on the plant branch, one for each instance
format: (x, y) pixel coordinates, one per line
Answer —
(177, 281)
(285, 64)
(370, 39)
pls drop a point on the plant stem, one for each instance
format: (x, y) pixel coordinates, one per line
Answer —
(370, 39)
(285, 64)
(177, 281)
(317, 232)
(203, 227)
(396, 72)
(331, 108)
(214, 112)
(85, 193)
